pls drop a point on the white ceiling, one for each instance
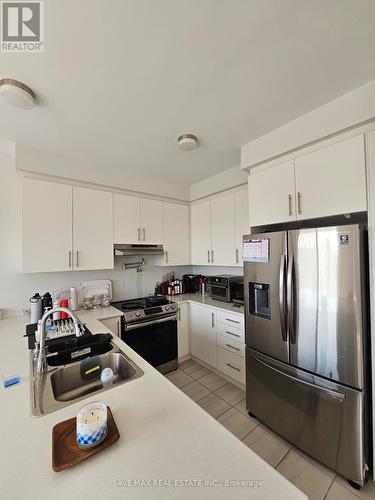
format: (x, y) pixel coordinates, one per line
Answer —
(120, 80)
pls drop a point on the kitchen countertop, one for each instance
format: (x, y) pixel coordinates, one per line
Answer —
(164, 436)
(206, 300)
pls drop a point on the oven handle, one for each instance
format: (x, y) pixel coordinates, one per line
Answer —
(136, 326)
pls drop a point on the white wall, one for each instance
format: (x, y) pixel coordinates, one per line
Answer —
(230, 178)
(347, 111)
(43, 162)
(16, 288)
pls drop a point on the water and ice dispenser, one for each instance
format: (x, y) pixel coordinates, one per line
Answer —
(260, 300)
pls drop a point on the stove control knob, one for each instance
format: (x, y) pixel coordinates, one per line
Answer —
(137, 314)
(167, 308)
(173, 306)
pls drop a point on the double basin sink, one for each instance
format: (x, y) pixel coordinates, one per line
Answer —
(65, 385)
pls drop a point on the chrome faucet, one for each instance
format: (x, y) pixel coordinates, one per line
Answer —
(40, 347)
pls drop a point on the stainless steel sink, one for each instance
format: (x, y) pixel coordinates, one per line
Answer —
(65, 385)
(68, 384)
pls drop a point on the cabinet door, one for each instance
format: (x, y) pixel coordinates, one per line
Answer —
(223, 237)
(46, 226)
(113, 324)
(202, 323)
(183, 330)
(241, 215)
(271, 195)
(332, 180)
(92, 229)
(201, 234)
(127, 219)
(152, 221)
(176, 234)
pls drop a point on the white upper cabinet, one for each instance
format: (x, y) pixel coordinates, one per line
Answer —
(137, 220)
(92, 229)
(46, 226)
(201, 233)
(223, 237)
(127, 219)
(271, 195)
(241, 215)
(152, 226)
(332, 180)
(176, 235)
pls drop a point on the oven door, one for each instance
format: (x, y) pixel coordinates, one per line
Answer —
(155, 341)
(219, 292)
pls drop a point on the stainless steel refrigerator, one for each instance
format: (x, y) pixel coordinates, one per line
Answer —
(306, 341)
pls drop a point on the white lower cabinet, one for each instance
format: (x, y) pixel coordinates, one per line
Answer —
(113, 324)
(183, 330)
(203, 333)
(231, 364)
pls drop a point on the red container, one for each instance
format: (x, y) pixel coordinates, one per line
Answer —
(63, 303)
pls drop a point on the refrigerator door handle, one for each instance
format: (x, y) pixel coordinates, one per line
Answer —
(334, 394)
(290, 300)
(282, 299)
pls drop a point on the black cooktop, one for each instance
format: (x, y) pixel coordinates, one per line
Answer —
(142, 303)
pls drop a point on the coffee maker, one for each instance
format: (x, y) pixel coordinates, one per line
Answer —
(191, 283)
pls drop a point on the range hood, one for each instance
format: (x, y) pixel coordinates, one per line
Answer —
(138, 249)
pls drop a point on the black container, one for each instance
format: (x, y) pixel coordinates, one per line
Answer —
(191, 283)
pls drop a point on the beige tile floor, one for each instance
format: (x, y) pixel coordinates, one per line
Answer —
(226, 403)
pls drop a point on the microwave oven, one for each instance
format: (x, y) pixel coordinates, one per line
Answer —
(220, 287)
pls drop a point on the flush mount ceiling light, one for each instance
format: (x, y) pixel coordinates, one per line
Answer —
(16, 93)
(187, 142)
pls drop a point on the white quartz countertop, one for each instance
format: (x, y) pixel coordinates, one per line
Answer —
(206, 300)
(164, 436)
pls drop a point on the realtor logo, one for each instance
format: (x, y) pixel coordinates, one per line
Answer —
(22, 26)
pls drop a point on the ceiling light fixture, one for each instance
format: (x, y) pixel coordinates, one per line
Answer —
(187, 142)
(16, 93)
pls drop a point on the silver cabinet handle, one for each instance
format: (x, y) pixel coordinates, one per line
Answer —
(234, 334)
(232, 347)
(237, 256)
(139, 234)
(77, 259)
(212, 256)
(290, 205)
(233, 367)
(232, 321)
(118, 328)
(166, 257)
(213, 320)
(208, 256)
(70, 259)
(299, 196)
(144, 234)
(179, 314)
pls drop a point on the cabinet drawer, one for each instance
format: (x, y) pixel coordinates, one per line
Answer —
(230, 319)
(231, 345)
(231, 332)
(231, 364)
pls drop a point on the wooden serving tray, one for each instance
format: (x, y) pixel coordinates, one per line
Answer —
(65, 451)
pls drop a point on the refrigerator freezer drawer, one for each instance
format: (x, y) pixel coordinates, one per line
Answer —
(322, 418)
(231, 364)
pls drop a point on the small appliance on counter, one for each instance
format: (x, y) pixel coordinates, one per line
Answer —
(221, 287)
(237, 292)
(191, 283)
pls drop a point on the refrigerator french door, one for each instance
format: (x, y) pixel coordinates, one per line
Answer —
(306, 334)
